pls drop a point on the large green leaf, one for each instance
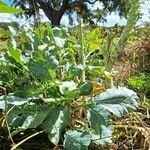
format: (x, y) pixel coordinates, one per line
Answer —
(86, 89)
(75, 140)
(14, 52)
(67, 86)
(52, 62)
(39, 69)
(55, 122)
(117, 101)
(99, 120)
(8, 9)
(98, 116)
(40, 115)
(104, 137)
(12, 100)
(21, 116)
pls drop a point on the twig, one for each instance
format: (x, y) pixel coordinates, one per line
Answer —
(29, 137)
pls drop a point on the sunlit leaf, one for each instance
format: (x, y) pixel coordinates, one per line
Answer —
(40, 115)
(67, 86)
(22, 116)
(86, 89)
(105, 137)
(118, 96)
(93, 34)
(13, 32)
(59, 41)
(115, 100)
(8, 9)
(55, 122)
(75, 140)
(13, 100)
(14, 52)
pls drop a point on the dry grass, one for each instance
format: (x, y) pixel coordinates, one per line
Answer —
(135, 58)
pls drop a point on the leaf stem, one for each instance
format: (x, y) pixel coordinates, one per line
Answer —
(82, 53)
(6, 114)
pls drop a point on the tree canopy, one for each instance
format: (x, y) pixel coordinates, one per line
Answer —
(55, 9)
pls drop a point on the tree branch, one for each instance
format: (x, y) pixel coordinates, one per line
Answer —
(64, 7)
(78, 3)
(46, 8)
(75, 4)
(88, 1)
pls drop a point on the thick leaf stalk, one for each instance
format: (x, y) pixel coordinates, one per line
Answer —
(82, 53)
(133, 16)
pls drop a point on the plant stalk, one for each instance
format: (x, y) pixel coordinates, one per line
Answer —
(6, 114)
(24, 140)
(82, 53)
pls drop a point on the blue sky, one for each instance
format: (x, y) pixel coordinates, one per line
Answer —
(7, 1)
(112, 18)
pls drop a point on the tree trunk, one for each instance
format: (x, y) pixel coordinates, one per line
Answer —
(53, 14)
(56, 20)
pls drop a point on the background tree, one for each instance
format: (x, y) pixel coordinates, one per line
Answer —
(55, 9)
(4, 25)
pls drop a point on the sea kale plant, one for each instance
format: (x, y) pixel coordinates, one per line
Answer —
(43, 83)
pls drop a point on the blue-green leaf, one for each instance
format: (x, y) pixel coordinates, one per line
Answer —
(40, 115)
(52, 62)
(98, 116)
(86, 89)
(99, 120)
(55, 122)
(21, 116)
(39, 69)
(12, 100)
(75, 140)
(14, 52)
(117, 101)
(105, 137)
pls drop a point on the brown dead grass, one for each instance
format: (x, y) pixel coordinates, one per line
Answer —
(135, 59)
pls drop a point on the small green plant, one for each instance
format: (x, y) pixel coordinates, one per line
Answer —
(112, 47)
(40, 80)
(44, 84)
(141, 83)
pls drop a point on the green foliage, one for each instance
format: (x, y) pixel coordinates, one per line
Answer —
(14, 53)
(42, 112)
(11, 100)
(117, 101)
(75, 140)
(55, 122)
(43, 86)
(140, 82)
(4, 25)
(112, 52)
(86, 89)
(7, 9)
(81, 8)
